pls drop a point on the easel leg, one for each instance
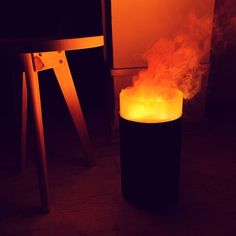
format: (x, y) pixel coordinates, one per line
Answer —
(33, 83)
(66, 84)
(23, 122)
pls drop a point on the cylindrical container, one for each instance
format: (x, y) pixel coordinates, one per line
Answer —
(150, 151)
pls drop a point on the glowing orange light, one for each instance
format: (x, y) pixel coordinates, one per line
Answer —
(173, 72)
(162, 108)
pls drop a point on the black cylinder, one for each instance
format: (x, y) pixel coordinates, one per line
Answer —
(150, 163)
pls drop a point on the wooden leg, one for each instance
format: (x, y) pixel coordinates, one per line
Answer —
(23, 122)
(33, 85)
(66, 84)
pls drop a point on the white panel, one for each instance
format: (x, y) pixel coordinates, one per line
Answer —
(137, 24)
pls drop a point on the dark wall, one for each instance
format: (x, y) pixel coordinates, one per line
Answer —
(45, 18)
(222, 81)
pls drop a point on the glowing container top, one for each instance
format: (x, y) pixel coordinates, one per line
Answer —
(151, 110)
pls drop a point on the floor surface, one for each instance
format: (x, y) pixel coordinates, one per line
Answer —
(88, 202)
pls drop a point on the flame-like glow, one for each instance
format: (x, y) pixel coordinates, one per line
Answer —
(174, 72)
(165, 107)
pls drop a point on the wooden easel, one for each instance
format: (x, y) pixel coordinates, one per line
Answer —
(38, 56)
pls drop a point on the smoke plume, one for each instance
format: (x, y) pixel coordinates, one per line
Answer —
(175, 62)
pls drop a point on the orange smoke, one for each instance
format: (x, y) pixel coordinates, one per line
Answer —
(175, 62)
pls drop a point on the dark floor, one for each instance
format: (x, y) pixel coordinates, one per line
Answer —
(87, 201)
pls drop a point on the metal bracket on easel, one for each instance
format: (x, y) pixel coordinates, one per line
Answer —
(48, 60)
